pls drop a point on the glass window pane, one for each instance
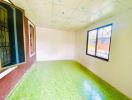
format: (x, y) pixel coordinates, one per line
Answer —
(103, 42)
(4, 38)
(92, 42)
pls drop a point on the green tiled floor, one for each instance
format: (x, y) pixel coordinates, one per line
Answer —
(63, 80)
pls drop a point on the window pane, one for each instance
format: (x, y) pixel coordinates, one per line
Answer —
(103, 42)
(92, 42)
(11, 35)
(4, 38)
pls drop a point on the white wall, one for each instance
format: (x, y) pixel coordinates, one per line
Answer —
(118, 71)
(54, 44)
(59, 45)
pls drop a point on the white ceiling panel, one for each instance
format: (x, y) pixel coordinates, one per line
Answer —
(71, 15)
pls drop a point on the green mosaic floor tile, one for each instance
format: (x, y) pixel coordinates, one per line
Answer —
(63, 80)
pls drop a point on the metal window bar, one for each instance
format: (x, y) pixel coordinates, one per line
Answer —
(4, 38)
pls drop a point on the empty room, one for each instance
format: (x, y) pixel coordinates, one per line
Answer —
(65, 49)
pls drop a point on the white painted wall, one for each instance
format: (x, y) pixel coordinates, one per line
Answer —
(118, 71)
(54, 44)
(59, 45)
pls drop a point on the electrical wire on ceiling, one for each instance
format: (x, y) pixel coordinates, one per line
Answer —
(11, 2)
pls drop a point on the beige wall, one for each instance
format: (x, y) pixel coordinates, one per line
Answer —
(118, 71)
(54, 44)
(59, 45)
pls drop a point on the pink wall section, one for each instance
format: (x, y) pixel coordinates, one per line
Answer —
(9, 81)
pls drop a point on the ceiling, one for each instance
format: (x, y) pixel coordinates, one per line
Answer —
(71, 15)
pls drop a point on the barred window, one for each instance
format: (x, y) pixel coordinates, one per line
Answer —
(4, 38)
(11, 36)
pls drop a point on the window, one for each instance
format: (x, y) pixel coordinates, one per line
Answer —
(4, 38)
(11, 36)
(98, 42)
(92, 42)
(32, 39)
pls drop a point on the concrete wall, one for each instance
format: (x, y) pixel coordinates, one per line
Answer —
(118, 70)
(8, 82)
(54, 44)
